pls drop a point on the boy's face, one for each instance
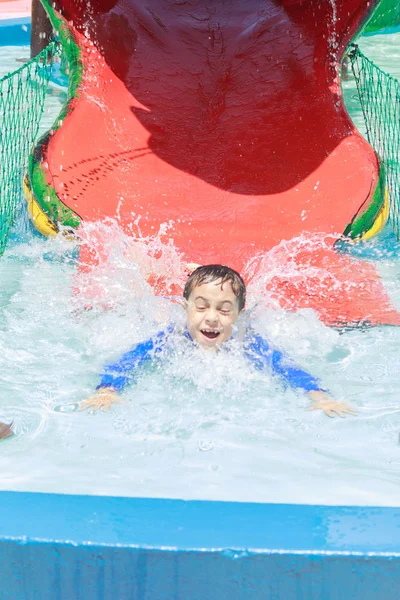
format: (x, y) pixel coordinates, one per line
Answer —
(211, 311)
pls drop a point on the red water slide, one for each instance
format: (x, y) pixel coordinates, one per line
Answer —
(226, 118)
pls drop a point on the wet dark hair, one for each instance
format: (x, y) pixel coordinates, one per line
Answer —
(210, 273)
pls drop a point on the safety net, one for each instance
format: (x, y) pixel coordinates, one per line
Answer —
(22, 96)
(379, 95)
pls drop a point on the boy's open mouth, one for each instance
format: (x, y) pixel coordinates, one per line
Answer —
(211, 335)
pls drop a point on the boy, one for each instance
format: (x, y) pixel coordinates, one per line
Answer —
(215, 297)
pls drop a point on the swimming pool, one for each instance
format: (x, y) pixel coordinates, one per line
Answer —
(161, 445)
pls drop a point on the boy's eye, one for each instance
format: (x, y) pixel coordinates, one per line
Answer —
(200, 308)
(225, 312)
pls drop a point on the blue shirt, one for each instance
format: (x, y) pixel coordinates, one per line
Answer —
(256, 349)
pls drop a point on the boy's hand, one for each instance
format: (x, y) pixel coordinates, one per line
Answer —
(330, 407)
(5, 430)
(102, 399)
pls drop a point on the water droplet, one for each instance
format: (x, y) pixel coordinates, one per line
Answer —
(205, 445)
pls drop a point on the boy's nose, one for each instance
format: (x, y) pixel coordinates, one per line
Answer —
(212, 317)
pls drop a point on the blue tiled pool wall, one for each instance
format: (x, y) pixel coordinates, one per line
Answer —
(90, 548)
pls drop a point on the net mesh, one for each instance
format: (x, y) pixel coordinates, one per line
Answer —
(22, 95)
(379, 96)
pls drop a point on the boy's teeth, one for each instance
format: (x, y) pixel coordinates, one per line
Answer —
(210, 334)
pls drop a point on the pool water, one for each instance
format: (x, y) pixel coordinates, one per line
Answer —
(195, 425)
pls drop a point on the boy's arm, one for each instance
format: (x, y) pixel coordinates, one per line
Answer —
(261, 355)
(116, 376)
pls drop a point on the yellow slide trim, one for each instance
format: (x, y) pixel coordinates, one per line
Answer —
(39, 218)
(380, 220)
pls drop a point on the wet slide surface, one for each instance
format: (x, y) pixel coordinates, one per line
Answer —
(226, 119)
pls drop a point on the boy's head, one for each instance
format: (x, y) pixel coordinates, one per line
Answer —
(215, 295)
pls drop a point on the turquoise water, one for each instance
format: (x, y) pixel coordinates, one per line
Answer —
(197, 425)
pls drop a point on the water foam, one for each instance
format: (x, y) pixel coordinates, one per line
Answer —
(195, 425)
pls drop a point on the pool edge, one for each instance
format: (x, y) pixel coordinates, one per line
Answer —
(91, 547)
